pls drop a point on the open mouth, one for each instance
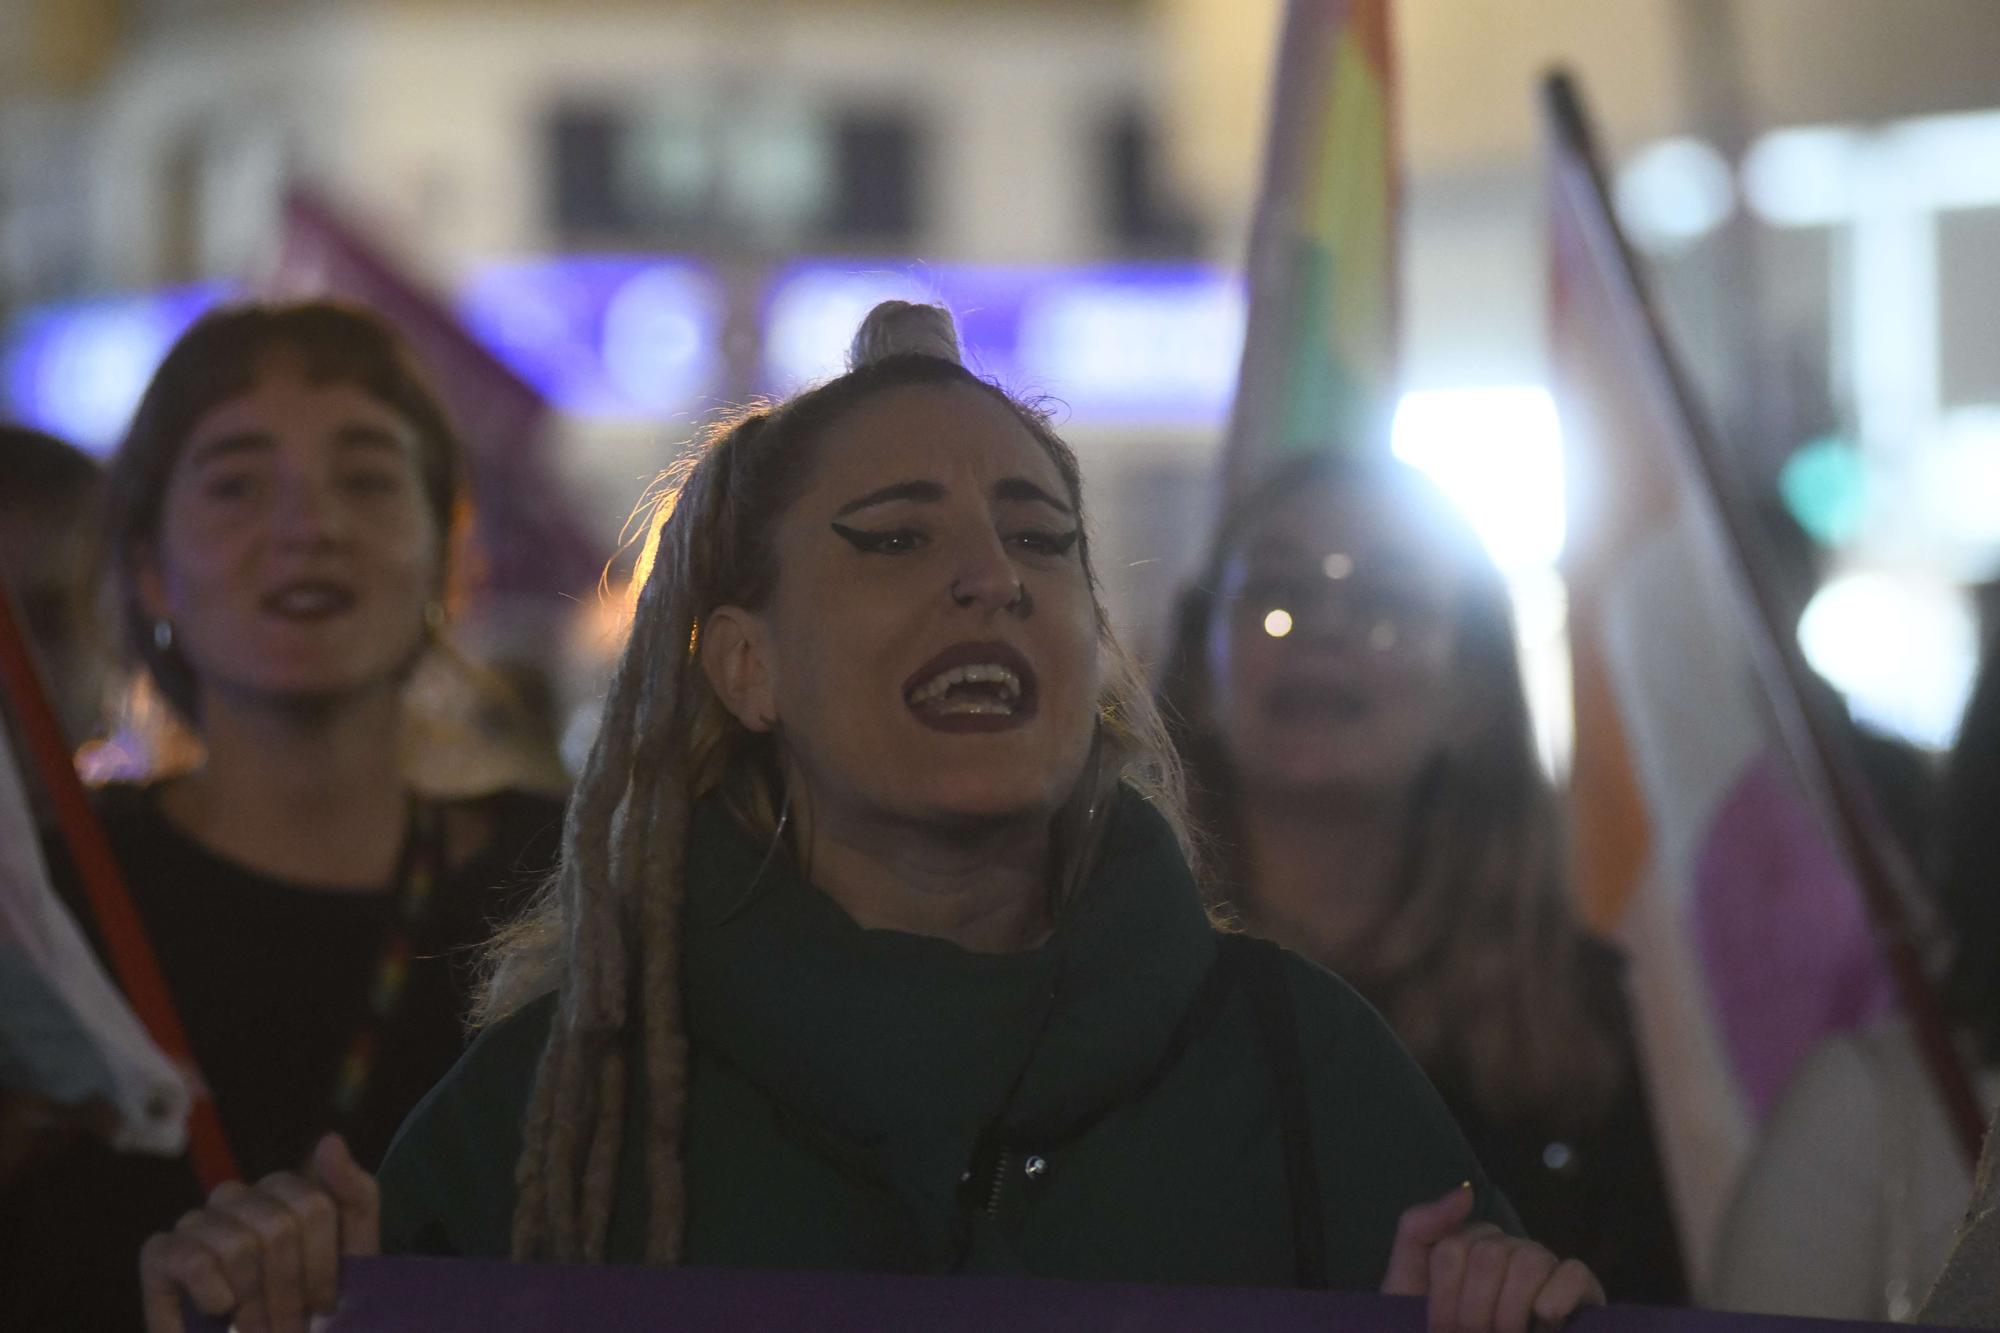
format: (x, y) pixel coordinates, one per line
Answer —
(973, 687)
(1310, 701)
(308, 601)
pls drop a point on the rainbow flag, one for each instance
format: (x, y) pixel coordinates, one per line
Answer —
(1319, 352)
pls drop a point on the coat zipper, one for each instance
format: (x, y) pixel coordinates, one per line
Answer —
(1000, 1165)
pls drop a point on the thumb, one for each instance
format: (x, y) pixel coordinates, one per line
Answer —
(355, 1195)
(1420, 1229)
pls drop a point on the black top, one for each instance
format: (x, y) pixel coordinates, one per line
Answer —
(271, 979)
(1593, 1191)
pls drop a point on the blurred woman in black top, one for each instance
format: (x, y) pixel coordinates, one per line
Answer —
(1345, 684)
(280, 522)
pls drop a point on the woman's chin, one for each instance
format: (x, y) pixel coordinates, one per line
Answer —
(971, 800)
(310, 690)
(1347, 777)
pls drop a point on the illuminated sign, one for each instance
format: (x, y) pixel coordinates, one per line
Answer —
(642, 338)
(603, 337)
(76, 370)
(1116, 345)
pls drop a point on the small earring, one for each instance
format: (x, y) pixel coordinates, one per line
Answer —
(434, 617)
(163, 634)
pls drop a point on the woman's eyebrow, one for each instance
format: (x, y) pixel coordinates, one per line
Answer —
(235, 442)
(365, 436)
(1021, 490)
(923, 492)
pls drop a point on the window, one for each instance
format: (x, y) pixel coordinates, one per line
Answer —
(876, 155)
(1139, 211)
(722, 172)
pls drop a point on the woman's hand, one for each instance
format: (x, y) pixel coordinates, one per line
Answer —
(1479, 1279)
(270, 1254)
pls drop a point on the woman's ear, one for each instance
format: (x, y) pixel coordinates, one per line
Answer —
(148, 583)
(735, 656)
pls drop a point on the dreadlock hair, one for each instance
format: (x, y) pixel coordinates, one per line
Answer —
(1478, 964)
(605, 932)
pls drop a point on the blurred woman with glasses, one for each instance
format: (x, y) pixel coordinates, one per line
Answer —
(1344, 681)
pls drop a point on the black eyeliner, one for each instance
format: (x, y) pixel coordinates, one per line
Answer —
(1054, 544)
(870, 543)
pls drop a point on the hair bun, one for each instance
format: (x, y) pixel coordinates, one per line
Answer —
(904, 328)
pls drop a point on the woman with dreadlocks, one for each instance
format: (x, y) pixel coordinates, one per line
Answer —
(875, 945)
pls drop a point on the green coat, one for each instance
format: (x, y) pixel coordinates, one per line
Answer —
(1100, 1107)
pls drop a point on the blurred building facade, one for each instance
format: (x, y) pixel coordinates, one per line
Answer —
(146, 143)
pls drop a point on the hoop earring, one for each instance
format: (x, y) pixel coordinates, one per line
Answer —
(750, 887)
(1087, 832)
(749, 894)
(163, 634)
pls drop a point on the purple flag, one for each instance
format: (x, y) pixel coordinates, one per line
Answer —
(485, 1296)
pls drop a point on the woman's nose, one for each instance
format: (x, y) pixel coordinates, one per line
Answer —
(987, 580)
(308, 512)
(1327, 620)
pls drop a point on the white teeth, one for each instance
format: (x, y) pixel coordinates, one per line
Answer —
(306, 601)
(983, 707)
(978, 673)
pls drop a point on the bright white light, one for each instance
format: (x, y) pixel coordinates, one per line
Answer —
(1951, 161)
(1541, 628)
(1278, 624)
(1958, 482)
(1674, 192)
(1803, 177)
(1497, 452)
(1903, 650)
(1126, 349)
(813, 316)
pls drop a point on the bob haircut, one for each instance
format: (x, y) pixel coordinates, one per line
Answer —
(222, 356)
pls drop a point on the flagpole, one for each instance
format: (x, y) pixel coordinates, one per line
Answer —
(123, 933)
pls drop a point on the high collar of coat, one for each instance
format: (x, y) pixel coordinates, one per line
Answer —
(880, 1034)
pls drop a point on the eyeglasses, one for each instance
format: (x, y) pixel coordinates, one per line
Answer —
(1382, 611)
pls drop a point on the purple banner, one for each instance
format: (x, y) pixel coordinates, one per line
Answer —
(461, 1296)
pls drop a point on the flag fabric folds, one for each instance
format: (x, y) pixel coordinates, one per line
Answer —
(1719, 833)
(68, 1035)
(1319, 352)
